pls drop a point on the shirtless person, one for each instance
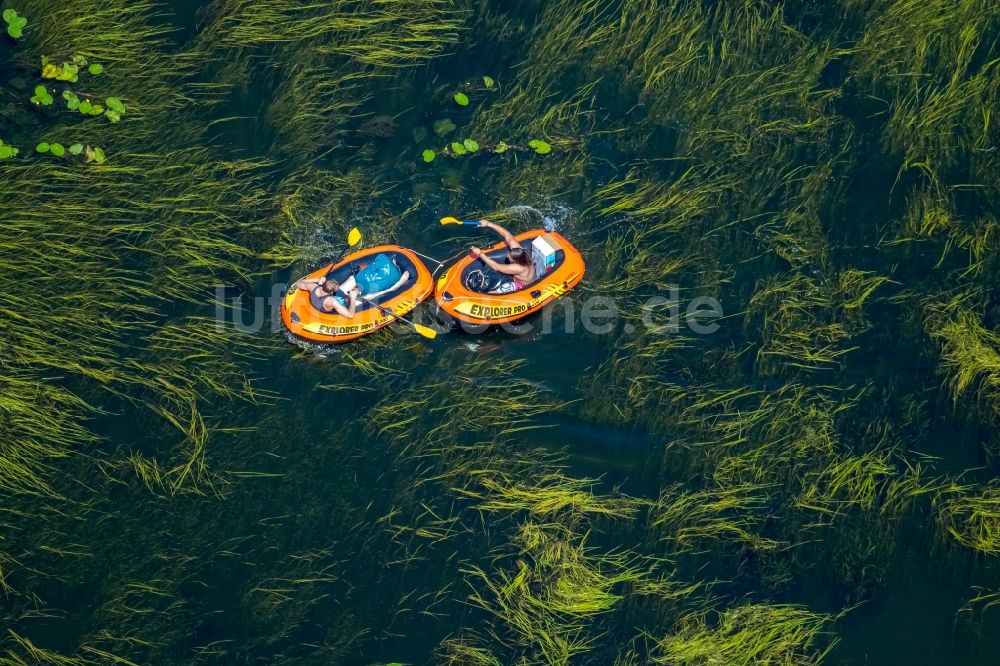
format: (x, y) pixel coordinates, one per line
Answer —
(328, 290)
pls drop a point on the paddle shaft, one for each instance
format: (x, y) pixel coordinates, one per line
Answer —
(387, 311)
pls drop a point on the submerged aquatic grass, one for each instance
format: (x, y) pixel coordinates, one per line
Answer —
(416, 503)
(971, 516)
(752, 634)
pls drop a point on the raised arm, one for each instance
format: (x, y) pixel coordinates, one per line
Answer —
(308, 284)
(507, 236)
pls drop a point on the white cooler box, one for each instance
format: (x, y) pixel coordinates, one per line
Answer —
(543, 252)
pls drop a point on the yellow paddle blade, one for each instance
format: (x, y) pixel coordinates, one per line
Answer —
(428, 333)
(450, 220)
(353, 237)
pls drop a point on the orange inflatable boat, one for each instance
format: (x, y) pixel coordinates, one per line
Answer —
(558, 268)
(303, 315)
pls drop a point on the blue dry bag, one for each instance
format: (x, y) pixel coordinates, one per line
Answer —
(379, 275)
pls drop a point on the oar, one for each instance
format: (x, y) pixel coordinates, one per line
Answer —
(455, 220)
(428, 333)
(353, 238)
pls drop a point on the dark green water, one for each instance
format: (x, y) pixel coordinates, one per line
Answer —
(338, 538)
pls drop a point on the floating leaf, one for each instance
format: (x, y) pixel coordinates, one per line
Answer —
(76, 149)
(540, 146)
(6, 152)
(57, 149)
(443, 127)
(461, 99)
(72, 101)
(15, 23)
(113, 116)
(94, 154)
(458, 148)
(66, 72)
(80, 60)
(96, 110)
(500, 147)
(115, 104)
(488, 82)
(43, 147)
(470, 145)
(42, 96)
(86, 107)
(429, 155)
(96, 69)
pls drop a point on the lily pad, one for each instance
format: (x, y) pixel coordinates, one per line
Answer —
(76, 149)
(470, 145)
(501, 147)
(85, 107)
(429, 155)
(540, 146)
(41, 96)
(489, 83)
(7, 152)
(96, 69)
(458, 148)
(461, 99)
(57, 149)
(15, 23)
(443, 127)
(94, 154)
(115, 104)
(68, 72)
(72, 101)
(43, 147)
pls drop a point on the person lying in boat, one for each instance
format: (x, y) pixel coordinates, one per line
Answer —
(375, 274)
(333, 300)
(518, 271)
